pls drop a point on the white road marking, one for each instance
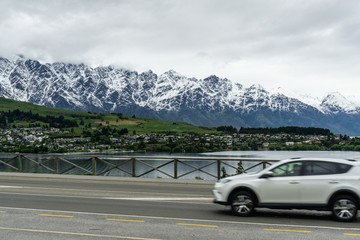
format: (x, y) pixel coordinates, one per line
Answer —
(184, 219)
(89, 190)
(160, 199)
(74, 234)
(47, 195)
(182, 199)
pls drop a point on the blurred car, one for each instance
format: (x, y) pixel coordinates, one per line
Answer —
(316, 184)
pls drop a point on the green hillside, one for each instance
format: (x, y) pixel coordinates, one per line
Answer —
(22, 114)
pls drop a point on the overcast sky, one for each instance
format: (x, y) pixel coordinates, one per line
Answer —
(306, 46)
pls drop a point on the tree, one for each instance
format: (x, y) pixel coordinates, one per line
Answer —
(124, 131)
(104, 139)
(223, 171)
(227, 129)
(2, 121)
(240, 168)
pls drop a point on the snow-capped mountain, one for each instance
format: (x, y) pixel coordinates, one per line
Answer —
(332, 103)
(335, 103)
(212, 101)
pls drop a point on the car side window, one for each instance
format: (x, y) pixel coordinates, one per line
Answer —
(288, 169)
(325, 168)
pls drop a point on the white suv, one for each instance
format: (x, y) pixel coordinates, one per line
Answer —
(318, 184)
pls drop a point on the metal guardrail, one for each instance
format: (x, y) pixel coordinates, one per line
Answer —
(131, 166)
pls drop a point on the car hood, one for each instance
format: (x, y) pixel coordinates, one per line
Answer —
(243, 176)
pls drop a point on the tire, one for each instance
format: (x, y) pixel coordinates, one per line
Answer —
(344, 208)
(242, 203)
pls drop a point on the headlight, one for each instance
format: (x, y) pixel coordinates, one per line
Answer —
(224, 180)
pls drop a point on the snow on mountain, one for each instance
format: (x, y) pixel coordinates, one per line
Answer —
(65, 85)
(335, 103)
(307, 99)
(111, 89)
(354, 99)
(332, 103)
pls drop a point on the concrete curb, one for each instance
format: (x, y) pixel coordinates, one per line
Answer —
(106, 178)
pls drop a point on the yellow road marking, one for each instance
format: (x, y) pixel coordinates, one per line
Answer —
(351, 234)
(124, 220)
(197, 225)
(51, 215)
(2, 211)
(285, 230)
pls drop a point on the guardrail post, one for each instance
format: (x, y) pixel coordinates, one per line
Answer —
(175, 168)
(20, 166)
(218, 169)
(56, 165)
(133, 161)
(264, 164)
(93, 160)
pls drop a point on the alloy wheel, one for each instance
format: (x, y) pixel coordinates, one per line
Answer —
(242, 204)
(344, 209)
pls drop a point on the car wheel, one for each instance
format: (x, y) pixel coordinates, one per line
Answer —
(242, 203)
(344, 208)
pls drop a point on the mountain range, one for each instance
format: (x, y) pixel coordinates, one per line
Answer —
(212, 101)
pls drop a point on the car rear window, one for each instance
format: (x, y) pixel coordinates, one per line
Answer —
(324, 168)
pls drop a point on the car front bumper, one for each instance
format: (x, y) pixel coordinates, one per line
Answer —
(219, 198)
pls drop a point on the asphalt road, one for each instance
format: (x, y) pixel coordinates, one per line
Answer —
(79, 207)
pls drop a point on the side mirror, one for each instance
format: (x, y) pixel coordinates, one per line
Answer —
(267, 174)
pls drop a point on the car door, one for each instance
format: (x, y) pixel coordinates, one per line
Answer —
(283, 186)
(320, 179)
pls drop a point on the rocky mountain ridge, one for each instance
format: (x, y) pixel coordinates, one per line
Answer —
(212, 101)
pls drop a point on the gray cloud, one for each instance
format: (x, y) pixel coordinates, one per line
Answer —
(299, 45)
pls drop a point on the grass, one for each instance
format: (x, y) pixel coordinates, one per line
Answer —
(137, 124)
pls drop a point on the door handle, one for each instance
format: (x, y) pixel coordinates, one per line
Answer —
(294, 182)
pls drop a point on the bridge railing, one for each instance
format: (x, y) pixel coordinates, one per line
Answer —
(131, 166)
